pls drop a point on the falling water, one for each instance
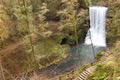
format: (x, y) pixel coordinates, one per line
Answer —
(96, 34)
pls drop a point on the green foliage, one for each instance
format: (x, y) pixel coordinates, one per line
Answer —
(99, 55)
(48, 52)
(4, 27)
(28, 13)
(101, 73)
(4, 34)
(71, 20)
(58, 38)
(68, 19)
(20, 12)
(4, 31)
(108, 68)
(42, 10)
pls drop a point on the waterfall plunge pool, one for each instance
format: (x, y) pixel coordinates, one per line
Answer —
(95, 42)
(85, 56)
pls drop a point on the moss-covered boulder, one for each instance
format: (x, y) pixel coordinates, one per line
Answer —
(48, 52)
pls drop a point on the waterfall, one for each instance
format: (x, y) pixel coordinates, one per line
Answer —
(96, 34)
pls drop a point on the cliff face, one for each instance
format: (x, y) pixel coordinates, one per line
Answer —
(113, 22)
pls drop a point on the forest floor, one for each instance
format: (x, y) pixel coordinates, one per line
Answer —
(8, 49)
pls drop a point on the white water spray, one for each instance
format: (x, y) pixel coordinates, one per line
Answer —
(97, 34)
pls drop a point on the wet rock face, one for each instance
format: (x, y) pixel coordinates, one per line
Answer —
(113, 22)
(102, 3)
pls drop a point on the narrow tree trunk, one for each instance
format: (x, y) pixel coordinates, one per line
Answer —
(29, 33)
(92, 45)
(1, 72)
(1, 43)
(75, 30)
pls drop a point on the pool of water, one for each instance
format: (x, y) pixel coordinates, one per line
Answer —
(85, 56)
(88, 53)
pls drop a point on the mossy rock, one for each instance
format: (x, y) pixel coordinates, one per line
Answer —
(48, 52)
